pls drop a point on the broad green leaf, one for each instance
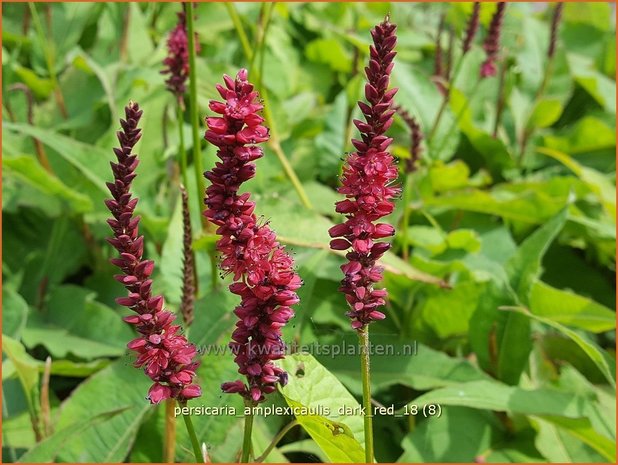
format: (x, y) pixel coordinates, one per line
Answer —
(28, 170)
(116, 396)
(310, 385)
(570, 309)
(596, 181)
(50, 448)
(433, 441)
(603, 361)
(90, 330)
(493, 395)
(546, 112)
(411, 364)
(329, 52)
(581, 429)
(525, 266)
(90, 160)
(559, 446)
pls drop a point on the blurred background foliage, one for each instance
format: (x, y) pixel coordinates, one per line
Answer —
(508, 292)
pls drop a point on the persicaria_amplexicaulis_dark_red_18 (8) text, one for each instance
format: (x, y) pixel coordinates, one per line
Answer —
(367, 183)
(263, 272)
(162, 350)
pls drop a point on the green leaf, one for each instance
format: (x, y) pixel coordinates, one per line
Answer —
(29, 171)
(79, 331)
(50, 448)
(27, 369)
(312, 386)
(412, 364)
(603, 361)
(596, 181)
(493, 395)
(546, 112)
(433, 441)
(525, 266)
(329, 52)
(581, 429)
(570, 309)
(558, 445)
(90, 160)
(116, 396)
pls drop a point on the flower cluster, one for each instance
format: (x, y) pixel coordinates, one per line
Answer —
(177, 61)
(165, 354)
(263, 272)
(367, 184)
(472, 27)
(492, 42)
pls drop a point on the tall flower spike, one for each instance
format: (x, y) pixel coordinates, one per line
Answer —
(492, 42)
(416, 137)
(187, 302)
(176, 64)
(555, 22)
(472, 28)
(263, 272)
(367, 180)
(165, 354)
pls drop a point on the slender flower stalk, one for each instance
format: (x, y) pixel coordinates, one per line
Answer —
(438, 71)
(367, 180)
(492, 42)
(164, 353)
(555, 22)
(416, 138)
(547, 74)
(187, 302)
(472, 28)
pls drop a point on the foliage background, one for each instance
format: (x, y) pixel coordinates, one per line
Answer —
(537, 236)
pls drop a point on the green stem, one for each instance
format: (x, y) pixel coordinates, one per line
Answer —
(445, 101)
(363, 338)
(181, 147)
(500, 98)
(240, 30)
(195, 124)
(191, 430)
(528, 131)
(406, 216)
(246, 442)
(195, 128)
(276, 440)
(455, 122)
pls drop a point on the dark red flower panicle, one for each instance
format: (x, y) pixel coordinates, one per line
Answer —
(367, 180)
(263, 272)
(492, 42)
(472, 27)
(177, 61)
(164, 353)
